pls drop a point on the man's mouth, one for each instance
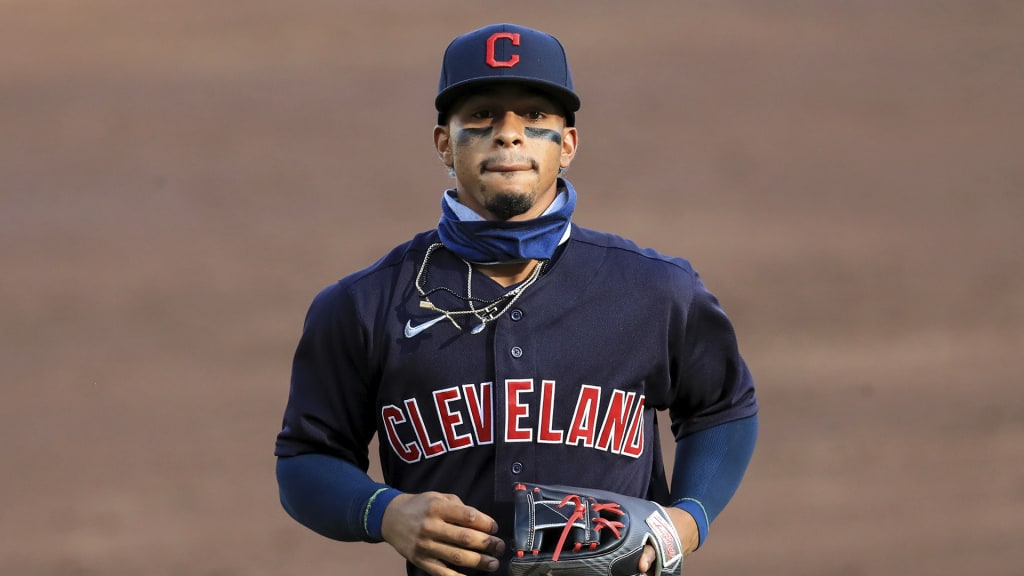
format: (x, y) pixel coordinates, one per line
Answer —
(506, 166)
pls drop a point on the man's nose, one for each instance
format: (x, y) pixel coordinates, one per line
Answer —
(509, 130)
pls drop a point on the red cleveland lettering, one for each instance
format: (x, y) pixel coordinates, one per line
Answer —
(516, 410)
(547, 433)
(584, 419)
(491, 60)
(481, 411)
(463, 416)
(392, 415)
(613, 431)
(430, 449)
(449, 419)
(635, 444)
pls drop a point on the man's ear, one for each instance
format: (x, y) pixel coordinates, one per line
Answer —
(570, 139)
(443, 144)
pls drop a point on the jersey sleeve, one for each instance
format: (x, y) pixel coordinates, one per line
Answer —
(330, 401)
(712, 382)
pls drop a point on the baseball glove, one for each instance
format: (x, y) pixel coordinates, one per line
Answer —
(568, 531)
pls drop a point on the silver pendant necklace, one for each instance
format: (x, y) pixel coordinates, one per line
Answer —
(489, 311)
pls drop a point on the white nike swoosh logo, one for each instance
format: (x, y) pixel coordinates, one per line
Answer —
(413, 331)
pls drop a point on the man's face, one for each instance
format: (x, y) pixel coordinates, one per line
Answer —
(506, 145)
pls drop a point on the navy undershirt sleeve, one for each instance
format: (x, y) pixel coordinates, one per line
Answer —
(709, 467)
(333, 497)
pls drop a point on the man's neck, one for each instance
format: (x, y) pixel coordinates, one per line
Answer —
(507, 274)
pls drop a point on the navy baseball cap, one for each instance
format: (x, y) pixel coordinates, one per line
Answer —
(506, 53)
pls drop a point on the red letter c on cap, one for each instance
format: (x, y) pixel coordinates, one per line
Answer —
(490, 50)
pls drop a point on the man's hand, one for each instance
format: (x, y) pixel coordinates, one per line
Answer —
(434, 531)
(685, 526)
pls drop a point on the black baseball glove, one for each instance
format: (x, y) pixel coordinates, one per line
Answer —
(568, 531)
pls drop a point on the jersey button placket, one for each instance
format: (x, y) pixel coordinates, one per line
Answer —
(514, 459)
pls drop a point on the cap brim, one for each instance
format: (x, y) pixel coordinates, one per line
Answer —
(565, 98)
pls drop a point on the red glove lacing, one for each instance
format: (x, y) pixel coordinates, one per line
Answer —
(598, 521)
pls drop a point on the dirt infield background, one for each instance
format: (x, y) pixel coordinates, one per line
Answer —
(177, 179)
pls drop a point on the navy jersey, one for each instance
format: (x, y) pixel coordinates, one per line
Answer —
(561, 389)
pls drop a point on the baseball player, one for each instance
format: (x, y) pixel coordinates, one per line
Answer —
(509, 347)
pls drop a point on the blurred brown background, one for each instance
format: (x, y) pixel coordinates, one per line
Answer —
(178, 179)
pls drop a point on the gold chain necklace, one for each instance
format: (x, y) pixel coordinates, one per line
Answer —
(491, 310)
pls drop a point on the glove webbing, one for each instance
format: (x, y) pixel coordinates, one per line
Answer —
(579, 512)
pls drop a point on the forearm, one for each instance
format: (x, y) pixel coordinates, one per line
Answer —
(333, 497)
(709, 466)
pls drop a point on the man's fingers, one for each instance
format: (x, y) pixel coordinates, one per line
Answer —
(461, 557)
(453, 510)
(647, 559)
(467, 538)
(436, 556)
(437, 532)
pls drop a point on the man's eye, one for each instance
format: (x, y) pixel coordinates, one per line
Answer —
(483, 114)
(535, 115)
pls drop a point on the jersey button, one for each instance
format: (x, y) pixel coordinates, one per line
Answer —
(517, 467)
(517, 352)
(516, 315)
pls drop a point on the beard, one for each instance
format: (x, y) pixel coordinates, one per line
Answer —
(506, 205)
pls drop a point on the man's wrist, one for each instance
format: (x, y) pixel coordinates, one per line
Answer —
(691, 523)
(373, 514)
